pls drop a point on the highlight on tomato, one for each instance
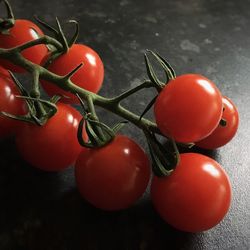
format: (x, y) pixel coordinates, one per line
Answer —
(223, 134)
(115, 176)
(53, 146)
(195, 197)
(22, 32)
(9, 103)
(89, 76)
(188, 108)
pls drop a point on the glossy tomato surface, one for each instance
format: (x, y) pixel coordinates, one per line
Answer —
(223, 134)
(22, 32)
(189, 108)
(115, 176)
(89, 76)
(195, 197)
(9, 103)
(54, 146)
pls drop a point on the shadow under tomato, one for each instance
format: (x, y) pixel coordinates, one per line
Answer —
(73, 224)
(43, 211)
(183, 149)
(23, 187)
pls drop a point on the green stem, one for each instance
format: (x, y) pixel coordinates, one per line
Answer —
(41, 40)
(111, 104)
(146, 84)
(35, 93)
(91, 108)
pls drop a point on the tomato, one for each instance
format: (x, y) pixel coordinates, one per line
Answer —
(195, 197)
(89, 76)
(22, 32)
(53, 146)
(113, 177)
(188, 108)
(222, 135)
(9, 103)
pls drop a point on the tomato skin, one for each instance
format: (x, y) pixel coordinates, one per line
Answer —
(195, 197)
(222, 135)
(54, 146)
(189, 108)
(9, 103)
(113, 177)
(22, 32)
(89, 76)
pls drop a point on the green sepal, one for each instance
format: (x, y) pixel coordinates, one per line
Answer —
(168, 69)
(7, 23)
(119, 126)
(46, 25)
(75, 35)
(163, 161)
(24, 118)
(151, 74)
(62, 37)
(10, 13)
(148, 107)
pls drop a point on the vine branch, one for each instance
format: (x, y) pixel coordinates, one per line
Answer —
(111, 104)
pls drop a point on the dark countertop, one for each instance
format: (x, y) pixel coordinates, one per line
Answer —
(44, 211)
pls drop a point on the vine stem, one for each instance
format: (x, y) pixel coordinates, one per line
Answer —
(111, 104)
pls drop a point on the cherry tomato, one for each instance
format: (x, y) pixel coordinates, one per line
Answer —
(54, 146)
(188, 108)
(9, 103)
(115, 176)
(222, 135)
(22, 32)
(195, 197)
(89, 77)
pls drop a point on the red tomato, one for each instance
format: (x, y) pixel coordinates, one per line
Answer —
(54, 146)
(89, 76)
(9, 103)
(195, 197)
(189, 108)
(22, 32)
(222, 135)
(113, 177)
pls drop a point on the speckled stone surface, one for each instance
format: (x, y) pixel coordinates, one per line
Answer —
(42, 211)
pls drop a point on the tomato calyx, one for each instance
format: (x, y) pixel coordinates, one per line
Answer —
(59, 36)
(39, 110)
(167, 68)
(156, 82)
(164, 159)
(7, 23)
(99, 134)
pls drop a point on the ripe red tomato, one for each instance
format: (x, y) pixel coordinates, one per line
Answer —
(195, 197)
(89, 76)
(189, 108)
(222, 135)
(54, 146)
(9, 103)
(23, 31)
(113, 177)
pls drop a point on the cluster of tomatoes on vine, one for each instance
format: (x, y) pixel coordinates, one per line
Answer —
(192, 196)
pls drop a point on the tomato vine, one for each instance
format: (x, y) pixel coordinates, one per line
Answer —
(15, 56)
(188, 109)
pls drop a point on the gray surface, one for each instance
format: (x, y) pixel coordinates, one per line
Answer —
(44, 211)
